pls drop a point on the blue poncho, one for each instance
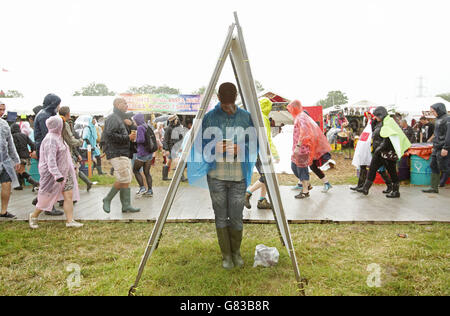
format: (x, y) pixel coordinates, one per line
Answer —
(216, 126)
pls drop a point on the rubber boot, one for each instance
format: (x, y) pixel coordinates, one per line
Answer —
(388, 182)
(223, 237)
(247, 200)
(21, 183)
(443, 179)
(395, 191)
(235, 241)
(99, 170)
(85, 180)
(183, 178)
(361, 180)
(125, 198)
(165, 173)
(366, 187)
(435, 178)
(30, 180)
(107, 200)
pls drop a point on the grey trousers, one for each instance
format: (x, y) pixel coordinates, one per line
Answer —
(228, 202)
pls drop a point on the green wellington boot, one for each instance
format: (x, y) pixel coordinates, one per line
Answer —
(236, 240)
(435, 179)
(223, 236)
(107, 200)
(125, 198)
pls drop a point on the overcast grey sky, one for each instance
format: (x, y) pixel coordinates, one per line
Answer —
(372, 50)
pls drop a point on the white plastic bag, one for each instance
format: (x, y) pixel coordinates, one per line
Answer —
(266, 256)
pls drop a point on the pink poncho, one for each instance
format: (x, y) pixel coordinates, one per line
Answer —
(55, 162)
(314, 144)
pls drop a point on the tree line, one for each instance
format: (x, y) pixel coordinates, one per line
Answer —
(100, 89)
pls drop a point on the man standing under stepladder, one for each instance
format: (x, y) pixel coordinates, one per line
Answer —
(222, 159)
(117, 148)
(441, 147)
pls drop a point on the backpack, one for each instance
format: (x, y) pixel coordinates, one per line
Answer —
(150, 140)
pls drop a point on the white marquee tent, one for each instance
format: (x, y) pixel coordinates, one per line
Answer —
(78, 105)
(413, 108)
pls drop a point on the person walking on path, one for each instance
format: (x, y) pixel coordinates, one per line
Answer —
(309, 146)
(390, 143)
(73, 143)
(50, 108)
(58, 177)
(9, 164)
(222, 159)
(90, 138)
(117, 147)
(441, 146)
(23, 146)
(173, 138)
(144, 156)
(266, 107)
(363, 153)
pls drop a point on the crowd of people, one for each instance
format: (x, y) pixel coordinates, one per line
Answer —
(60, 146)
(221, 162)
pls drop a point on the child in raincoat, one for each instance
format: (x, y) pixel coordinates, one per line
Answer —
(58, 177)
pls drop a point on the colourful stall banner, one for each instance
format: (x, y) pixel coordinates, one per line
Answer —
(169, 103)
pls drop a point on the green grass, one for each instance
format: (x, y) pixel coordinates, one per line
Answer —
(334, 258)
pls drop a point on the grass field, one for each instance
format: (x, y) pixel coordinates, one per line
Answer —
(334, 259)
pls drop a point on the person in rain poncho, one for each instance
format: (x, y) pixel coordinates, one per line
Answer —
(90, 136)
(223, 158)
(441, 147)
(9, 164)
(266, 107)
(50, 108)
(309, 147)
(58, 176)
(392, 147)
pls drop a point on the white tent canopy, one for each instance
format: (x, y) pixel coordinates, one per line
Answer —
(413, 108)
(361, 105)
(78, 105)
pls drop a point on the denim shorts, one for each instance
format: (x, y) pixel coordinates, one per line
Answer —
(4, 177)
(145, 158)
(301, 173)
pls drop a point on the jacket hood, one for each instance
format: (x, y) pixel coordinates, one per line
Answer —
(439, 108)
(37, 109)
(54, 124)
(266, 106)
(139, 119)
(380, 112)
(51, 102)
(295, 108)
(15, 128)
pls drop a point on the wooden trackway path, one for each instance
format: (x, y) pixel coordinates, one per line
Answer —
(194, 205)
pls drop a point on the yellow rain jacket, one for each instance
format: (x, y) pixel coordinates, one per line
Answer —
(266, 107)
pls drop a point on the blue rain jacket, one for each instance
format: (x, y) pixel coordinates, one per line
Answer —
(202, 155)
